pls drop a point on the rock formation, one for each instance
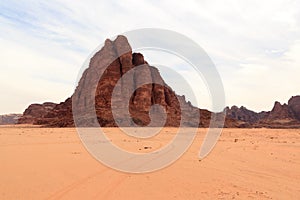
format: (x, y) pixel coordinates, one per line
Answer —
(243, 114)
(294, 106)
(280, 112)
(281, 116)
(115, 61)
(36, 112)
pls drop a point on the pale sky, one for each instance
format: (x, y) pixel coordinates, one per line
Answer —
(255, 45)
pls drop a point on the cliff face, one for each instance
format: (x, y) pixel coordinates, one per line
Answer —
(142, 98)
(140, 102)
(115, 61)
(294, 106)
(35, 112)
(281, 116)
(245, 115)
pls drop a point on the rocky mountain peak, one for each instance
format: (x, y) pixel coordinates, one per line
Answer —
(115, 60)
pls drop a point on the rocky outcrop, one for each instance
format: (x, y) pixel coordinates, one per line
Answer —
(281, 116)
(280, 112)
(245, 115)
(35, 112)
(108, 62)
(294, 106)
(93, 104)
(9, 119)
(140, 100)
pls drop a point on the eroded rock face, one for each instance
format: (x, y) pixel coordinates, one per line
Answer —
(143, 97)
(59, 116)
(113, 61)
(281, 116)
(35, 112)
(92, 98)
(294, 106)
(243, 114)
(280, 112)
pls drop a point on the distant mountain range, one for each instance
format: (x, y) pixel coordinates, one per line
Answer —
(60, 115)
(9, 119)
(281, 116)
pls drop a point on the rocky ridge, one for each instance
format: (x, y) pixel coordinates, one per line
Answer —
(108, 62)
(113, 61)
(281, 116)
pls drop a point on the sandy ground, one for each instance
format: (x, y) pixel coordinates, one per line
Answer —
(40, 163)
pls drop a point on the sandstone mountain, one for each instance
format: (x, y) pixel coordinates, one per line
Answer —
(243, 114)
(36, 112)
(113, 61)
(281, 116)
(113, 67)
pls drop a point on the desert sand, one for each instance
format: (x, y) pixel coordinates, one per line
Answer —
(52, 163)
